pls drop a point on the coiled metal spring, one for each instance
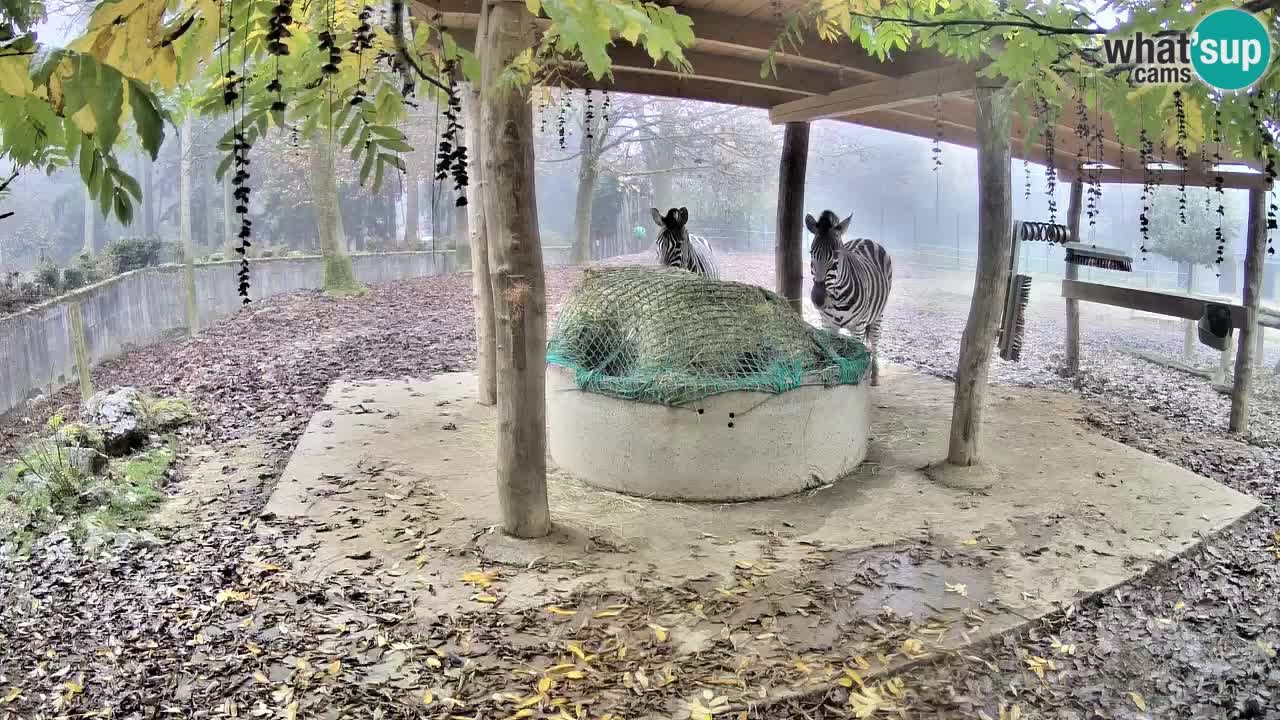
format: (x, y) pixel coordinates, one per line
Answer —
(1027, 231)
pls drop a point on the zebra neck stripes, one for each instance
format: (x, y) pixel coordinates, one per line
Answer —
(699, 258)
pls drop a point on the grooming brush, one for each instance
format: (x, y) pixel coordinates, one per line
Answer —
(1099, 257)
(1014, 326)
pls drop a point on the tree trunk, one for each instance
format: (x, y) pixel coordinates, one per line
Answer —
(1072, 360)
(339, 274)
(459, 225)
(589, 148)
(519, 295)
(1189, 326)
(184, 224)
(477, 258)
(147, 206)
(1255, 256)
(410, 202)
(228, 218)
(90, 212)
(393, 233)
(661, 157)
(995, 236)
(788, 253)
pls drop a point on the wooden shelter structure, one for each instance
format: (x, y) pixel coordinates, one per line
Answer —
(911, 92)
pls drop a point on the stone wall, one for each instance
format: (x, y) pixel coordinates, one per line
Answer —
(138, 308)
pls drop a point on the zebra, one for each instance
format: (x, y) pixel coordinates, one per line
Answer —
(851, 281)
(677, 248)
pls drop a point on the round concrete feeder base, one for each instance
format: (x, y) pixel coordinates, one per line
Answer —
(728, 447)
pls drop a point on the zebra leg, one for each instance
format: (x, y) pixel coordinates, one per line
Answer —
(829, 324)
(873, 345)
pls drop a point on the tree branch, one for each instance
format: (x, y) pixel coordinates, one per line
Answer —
(987, 24)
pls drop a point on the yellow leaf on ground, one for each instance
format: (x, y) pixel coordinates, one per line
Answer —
(577, 651)
(291, 712)
(660, 632)
(561, 611)
(575, 675)
(479, 578)
(261, 677)
(487, 599)
(912, 648)
(1138, 701)
(524, 713)
(428, 697)
(433, 663)
(1179, 606)
(74, 687)
(544, 686)
(226, 596)
(13, 694)
(969, 541)
(335, 668)
(607, 614)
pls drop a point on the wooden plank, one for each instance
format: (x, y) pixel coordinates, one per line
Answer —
(879, 95)
(1152, 301)
(995, 235)
(1231, 179)
(788, 256)
(1073, 272)
(1255, 256)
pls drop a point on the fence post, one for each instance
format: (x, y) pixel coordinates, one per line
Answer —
(80, 346)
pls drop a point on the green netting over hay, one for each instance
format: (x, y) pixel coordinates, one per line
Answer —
(670, 337)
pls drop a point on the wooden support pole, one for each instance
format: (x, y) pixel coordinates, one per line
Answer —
(515, 260)
(1072, 361)
(788, 241)
(1255, 255)
(995, 235)
(481, 284)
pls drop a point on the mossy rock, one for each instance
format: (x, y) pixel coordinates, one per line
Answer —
(167, 413)
(81, 435)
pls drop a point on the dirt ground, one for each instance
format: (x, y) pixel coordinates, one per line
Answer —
(180, 623)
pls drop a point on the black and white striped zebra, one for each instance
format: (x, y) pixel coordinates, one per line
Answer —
(677, 248)
(851, 281)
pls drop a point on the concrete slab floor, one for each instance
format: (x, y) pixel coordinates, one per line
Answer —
(396, 482)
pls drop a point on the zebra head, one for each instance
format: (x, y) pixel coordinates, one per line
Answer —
(828, 238)
(673, 237)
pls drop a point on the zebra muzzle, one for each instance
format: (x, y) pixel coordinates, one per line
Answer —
(818, 294)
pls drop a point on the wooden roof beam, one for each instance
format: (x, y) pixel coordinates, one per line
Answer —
(757, 36)
(907, 124)
(630, 61)
(1193, 178)
(885, 94)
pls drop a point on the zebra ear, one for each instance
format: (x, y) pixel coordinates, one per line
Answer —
(657, 217)
(844, 224)
(810, 223)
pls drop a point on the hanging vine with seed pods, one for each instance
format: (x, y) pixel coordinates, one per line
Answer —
(561, 118)
(604, 108)
(937, 133)
(589, 115)
(1085, 135)
(1044, 113)
(451, 154)
(1218, 187)
(1266, 151)
(1145, 151)
(1180, 151)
